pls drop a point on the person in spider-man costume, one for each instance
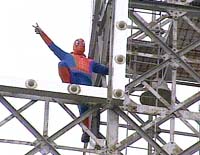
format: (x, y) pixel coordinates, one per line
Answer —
(75, 68)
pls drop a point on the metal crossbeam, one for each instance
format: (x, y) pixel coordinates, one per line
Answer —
(65, 128)
(107, 43)
(177, 55)
(169, 51)
(192, 149)
(158, 121)
(141, 132)
(10, 117)
(27, 125)
(81, 124)
(162, 6)
(152, 110)
(57, 96)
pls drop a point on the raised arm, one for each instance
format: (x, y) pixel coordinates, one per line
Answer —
(57, 51)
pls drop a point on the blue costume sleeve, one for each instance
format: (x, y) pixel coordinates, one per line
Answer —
(58, 51)
(99, 68)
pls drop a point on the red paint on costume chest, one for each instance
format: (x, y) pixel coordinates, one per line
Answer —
(82, 63)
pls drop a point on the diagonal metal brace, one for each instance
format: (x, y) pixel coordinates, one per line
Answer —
(24, 122)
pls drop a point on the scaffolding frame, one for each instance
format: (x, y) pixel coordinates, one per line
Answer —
(106, 48)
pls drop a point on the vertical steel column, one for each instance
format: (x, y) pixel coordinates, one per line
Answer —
(112, 130)
(112, 118)
(46, 119)
(150, 118)
(116, 84)
(150, 148)
(173, 88)
(199, 127)
(120, 47)
(173, 99)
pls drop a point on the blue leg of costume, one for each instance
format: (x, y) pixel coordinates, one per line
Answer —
(85, 137)
(82, 109)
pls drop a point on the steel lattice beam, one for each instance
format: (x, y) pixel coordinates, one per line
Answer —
(162, 6)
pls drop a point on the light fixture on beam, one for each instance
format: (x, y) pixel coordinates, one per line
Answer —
(147, 98)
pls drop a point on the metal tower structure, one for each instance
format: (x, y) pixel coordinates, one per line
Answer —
(151, 48)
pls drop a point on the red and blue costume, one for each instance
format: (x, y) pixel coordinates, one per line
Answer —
(74, 67)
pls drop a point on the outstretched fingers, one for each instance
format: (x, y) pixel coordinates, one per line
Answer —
(37, 28)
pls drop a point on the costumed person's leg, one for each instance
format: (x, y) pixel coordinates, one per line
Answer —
(95, 127)
(85, 137)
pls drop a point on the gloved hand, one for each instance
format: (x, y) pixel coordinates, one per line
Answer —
(38, 30)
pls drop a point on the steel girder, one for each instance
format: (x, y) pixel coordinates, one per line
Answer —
(102, 46)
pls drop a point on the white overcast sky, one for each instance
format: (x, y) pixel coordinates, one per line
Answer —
(25, 55)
